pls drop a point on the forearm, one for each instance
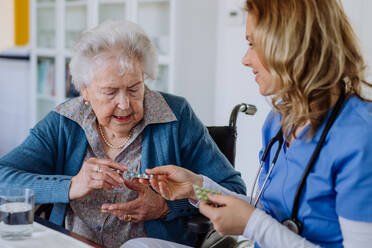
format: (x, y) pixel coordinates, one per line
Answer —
(267, 232)
(356, 233)
(48, 188)
(33, 164)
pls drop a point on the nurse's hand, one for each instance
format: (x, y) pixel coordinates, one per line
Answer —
(174, 182)
(231, 218)
(95, 174)
(147, 206)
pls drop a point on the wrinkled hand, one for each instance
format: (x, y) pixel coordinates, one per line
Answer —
(147, 206)
(231, 218)
(95, 174)
(174, 182)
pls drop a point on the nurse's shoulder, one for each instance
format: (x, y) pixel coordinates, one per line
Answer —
(354, 123)
(351, 157)
(350, 139)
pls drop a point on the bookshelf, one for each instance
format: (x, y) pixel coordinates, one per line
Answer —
(56, 24)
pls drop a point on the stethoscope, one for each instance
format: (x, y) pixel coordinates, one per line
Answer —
(293, 223)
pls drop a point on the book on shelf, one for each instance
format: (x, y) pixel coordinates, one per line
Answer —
(70, 88)
(46, 77)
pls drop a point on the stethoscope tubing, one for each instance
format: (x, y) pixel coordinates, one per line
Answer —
(278, 137)
(255, 183)
(258, 196)
(293, 223)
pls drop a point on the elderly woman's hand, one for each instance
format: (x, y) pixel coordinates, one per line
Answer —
(231, 218)
(147, 206)
(95, 174)
(174, 182)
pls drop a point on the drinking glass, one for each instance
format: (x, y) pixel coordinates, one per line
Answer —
(16, 213)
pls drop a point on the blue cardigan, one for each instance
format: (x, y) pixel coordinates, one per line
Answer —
(55, 149)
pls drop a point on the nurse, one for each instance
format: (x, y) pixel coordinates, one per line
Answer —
(318, 192)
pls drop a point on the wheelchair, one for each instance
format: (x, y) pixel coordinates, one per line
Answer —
(225, 138)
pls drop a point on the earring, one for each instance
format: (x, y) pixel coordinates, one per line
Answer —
(86, 102)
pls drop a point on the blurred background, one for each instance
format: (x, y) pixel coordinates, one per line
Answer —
(200, 43)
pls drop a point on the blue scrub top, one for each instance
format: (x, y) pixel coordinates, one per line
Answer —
(340, 184)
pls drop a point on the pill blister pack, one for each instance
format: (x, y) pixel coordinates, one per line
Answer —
(201, 193)
(129, 175)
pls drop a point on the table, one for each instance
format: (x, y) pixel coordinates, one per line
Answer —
(60, 229)
(47, 234)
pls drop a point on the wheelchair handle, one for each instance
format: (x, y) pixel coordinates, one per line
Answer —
(248, 109)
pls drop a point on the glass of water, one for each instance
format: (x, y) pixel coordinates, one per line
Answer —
(16, 213)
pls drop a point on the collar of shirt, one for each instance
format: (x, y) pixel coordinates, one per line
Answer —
(156, 110)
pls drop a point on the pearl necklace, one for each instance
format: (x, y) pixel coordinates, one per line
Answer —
(111, 145)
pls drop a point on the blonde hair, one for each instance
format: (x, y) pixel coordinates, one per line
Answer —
(312, 52)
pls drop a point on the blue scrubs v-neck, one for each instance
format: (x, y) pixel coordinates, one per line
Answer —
(342, 174)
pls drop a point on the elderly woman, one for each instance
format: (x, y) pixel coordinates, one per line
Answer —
(71, 157)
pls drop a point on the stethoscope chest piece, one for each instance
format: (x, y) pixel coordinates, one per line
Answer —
(293, 225)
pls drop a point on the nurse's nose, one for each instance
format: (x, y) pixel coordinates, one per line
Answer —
(246, 60)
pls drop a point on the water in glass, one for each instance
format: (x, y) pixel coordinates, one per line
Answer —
(16, 214)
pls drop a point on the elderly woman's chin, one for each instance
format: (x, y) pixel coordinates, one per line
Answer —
(122, 124)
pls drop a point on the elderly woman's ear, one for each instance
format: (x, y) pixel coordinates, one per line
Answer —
(84, 93)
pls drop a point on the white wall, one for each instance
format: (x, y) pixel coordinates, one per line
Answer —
(235, 83)
(14, 103)
(360, 16)
(6, 24)
(195, 53)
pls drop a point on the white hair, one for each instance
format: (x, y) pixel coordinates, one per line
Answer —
(123, 40)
